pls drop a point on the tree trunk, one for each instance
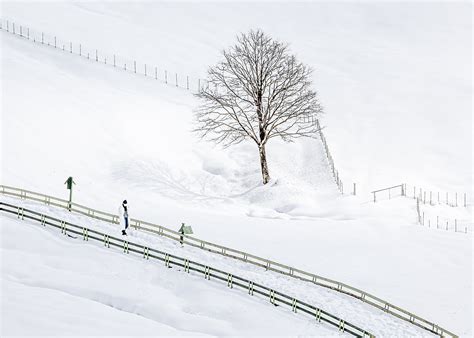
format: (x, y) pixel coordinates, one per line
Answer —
(263, 164)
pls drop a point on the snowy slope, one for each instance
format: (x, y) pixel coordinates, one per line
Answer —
(53, 285)
(395, 82)
(352, 310)
(122, 136)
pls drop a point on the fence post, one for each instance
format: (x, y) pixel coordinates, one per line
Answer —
(145, 69)
(414, 192)
(21, 31)
(114, 60)
(96, 55)
(455, 225)
(13, 27)
(42, 38)
(70, 47)
(187, 82)
(374, 197)
(424, 197)
(176, 79)
(28, 33)
(354, 189)
(135, 67)
(465, 205)
(437, 222)
(456, 199)
(80, 50)
(87, 56)
(447, 198)
(156, 73)
(438, 197)
(166, 76)
(431, 202)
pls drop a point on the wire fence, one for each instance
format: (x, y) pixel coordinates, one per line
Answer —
(149, 70)
(235, 254)
(431, 220)
(332, 166)
(275, 297)
(433, 197)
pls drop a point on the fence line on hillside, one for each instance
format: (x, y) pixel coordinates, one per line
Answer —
(442, 223)
(148, 70)
(235, 254)
(275, 297)
(332, 166)
(433, 197)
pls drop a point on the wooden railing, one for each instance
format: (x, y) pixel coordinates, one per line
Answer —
(236, 254)
(389, 190)
(274, 296)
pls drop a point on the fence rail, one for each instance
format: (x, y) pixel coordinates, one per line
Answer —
(275, 297)
(389, 190)
(235, 254)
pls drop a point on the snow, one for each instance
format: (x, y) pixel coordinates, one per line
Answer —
(387, 88)
(54, 285)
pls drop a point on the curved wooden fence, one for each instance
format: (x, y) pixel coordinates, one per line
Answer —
(275, 297)
(236, 254)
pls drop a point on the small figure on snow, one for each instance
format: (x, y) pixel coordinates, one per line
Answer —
(123, 215)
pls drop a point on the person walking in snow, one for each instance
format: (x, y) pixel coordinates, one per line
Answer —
(123, 215)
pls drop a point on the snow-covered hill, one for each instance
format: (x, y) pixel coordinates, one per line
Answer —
(386, 87)
(57, 286)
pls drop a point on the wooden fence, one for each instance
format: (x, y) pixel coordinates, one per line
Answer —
(274, 296)
(235, 254)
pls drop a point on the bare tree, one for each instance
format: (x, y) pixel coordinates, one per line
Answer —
(258, 91)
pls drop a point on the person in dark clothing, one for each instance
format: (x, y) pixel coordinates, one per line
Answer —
(124, 218)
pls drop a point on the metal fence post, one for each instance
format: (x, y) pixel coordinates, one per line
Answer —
(176, 79)
(465, 205)
(80, 50)
(145, 69)
(354, 189)
(166, 76)
(135, 67)
(96, 55)
(156, 73)
(114, 60)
